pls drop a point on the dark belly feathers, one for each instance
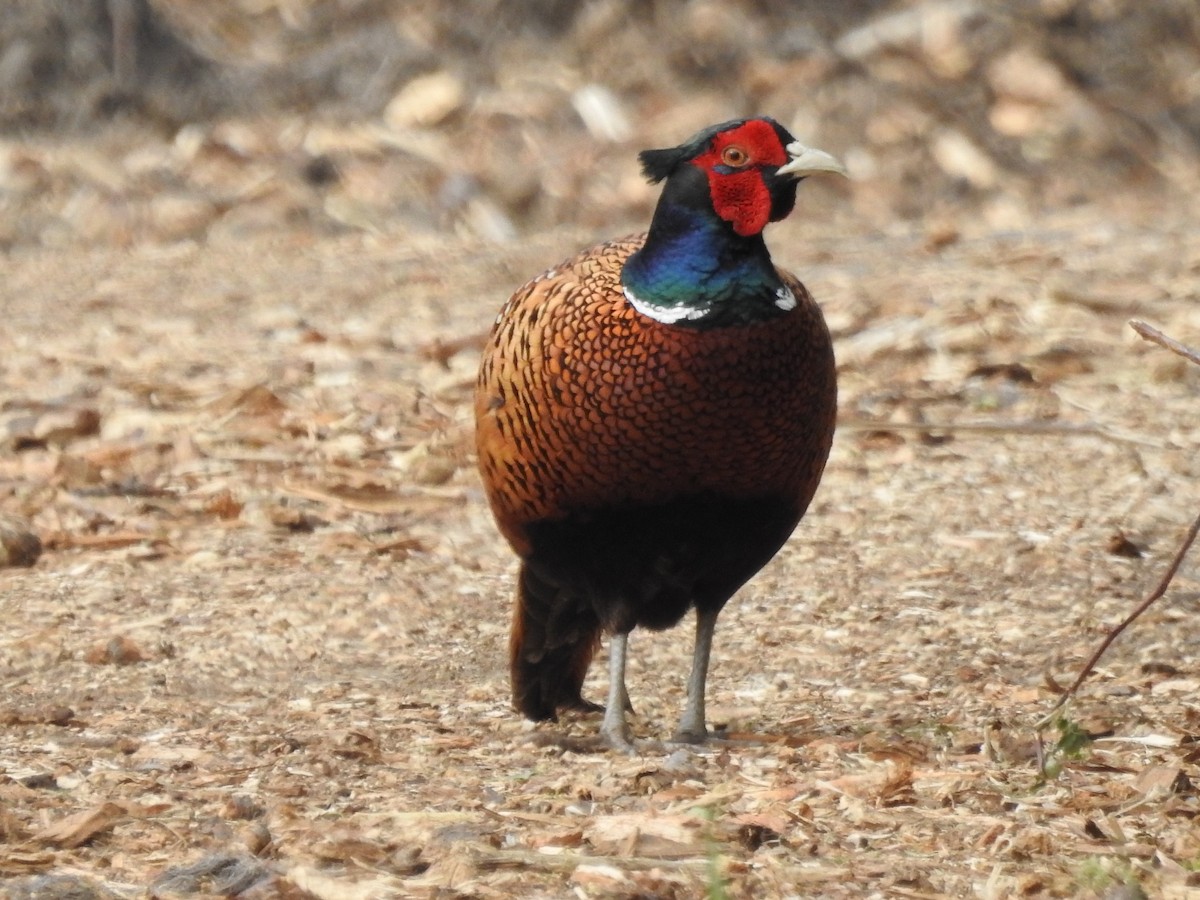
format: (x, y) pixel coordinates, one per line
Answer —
(642, 468)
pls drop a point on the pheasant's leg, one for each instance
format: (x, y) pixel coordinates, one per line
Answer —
(692, 728)
(614, 729)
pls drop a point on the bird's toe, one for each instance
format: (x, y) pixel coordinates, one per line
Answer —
(690, 735)
(621, 745)
(619, 739)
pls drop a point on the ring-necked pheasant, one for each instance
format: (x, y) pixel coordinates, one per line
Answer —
(652, 419)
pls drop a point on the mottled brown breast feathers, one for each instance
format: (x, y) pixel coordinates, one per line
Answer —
(584, 403)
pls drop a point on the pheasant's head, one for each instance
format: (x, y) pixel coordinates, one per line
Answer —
(746, 170)
(705, 263)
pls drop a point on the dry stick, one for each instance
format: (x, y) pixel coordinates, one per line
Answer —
(490, 860)
(1154, 335)
(1151, 334)
(1161, 589)
(1015, 426)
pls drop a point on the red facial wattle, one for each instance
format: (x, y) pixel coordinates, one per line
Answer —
(739, 193)
(742, 199)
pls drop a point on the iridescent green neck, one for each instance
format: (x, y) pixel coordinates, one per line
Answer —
(695, 271)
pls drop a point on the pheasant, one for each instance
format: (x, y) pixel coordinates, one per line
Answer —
(653, 416)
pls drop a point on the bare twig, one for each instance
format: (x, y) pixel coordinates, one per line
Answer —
(1158, 591)
(1016, 426)
(1154, 335)
(488, 860)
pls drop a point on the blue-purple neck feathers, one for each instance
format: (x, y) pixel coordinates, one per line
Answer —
(695, 270)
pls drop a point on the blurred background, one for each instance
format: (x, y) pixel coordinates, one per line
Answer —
(131, 121)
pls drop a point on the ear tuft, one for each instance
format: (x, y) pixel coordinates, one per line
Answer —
(658, 164)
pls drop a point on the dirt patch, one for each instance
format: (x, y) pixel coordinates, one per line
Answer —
(272, 612)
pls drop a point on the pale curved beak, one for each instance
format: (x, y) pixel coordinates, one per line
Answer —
(810, 161)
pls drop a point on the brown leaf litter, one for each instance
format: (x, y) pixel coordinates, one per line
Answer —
(260, 652)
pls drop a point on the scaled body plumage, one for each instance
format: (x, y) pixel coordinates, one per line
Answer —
(642, 461)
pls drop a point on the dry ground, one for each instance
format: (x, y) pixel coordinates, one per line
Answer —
(263, 654)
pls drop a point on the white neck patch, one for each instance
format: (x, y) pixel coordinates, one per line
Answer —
(669, 315)
(785, 299)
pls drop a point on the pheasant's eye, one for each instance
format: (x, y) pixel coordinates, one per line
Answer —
(735, 156)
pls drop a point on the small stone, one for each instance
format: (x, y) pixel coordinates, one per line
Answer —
(425, 101)
(18, 545)
(256, 837)
(244, 807)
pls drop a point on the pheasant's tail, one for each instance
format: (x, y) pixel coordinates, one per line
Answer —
(554, 637)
